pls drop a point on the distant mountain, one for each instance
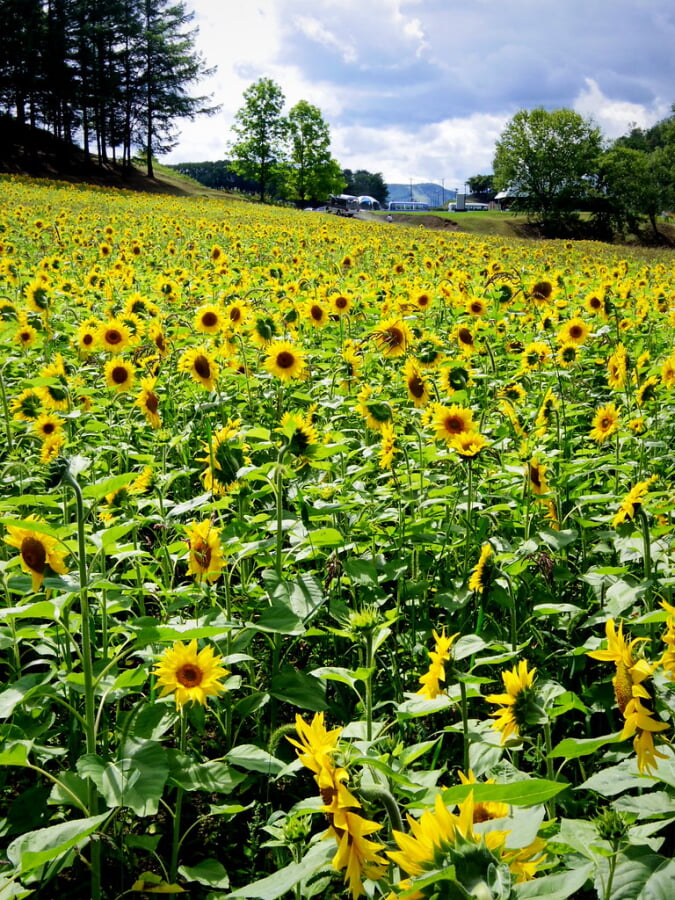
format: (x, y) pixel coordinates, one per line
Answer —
(433, 194)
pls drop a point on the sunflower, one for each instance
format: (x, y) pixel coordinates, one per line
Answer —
(668, 371)
(157, 336)
(435, 675)
(450, 421)
(388, 447)
(264, 330)
(515, 702)
(605, 423)
(484, 812)
(349, 367)
(225, 456)
(316, 313)
(417, 386)
(38, 296)
(119, 375)
(392, 337)
(476, 306)
(548, 406)
(535, 354)
(341, 304)
(567, 354)
(542, 290)
(376, 412)
(595, 304)
(630, 691)
(513, 392)
(455, 378)
(429, 352)
(236, 314)
(48, 426)
(421, 300)
(617, 368)
(444, 841)
(479, 575)
(193, 676)
(27, 406)
(647, 390)
(300, 433)
(536, 477)
(38, 551)
(114, 336)
(87, 335)
(206, 553)
(209, 319)
(148, 402)
(632, 502)
(575, 331)
(285, 360)
(465, 338)
(668, 657)
(469, 443)
(201, 365)
(25, 335)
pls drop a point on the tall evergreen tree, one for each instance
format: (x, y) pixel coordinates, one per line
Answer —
(169, 65)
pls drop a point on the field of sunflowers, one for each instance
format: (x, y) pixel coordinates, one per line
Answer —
(337, 557)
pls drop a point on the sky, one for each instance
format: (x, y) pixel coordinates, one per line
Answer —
(420, 90)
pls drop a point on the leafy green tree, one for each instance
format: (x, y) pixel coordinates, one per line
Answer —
(549, 160)
(313, 174)
(361, 182)
(636, 184)
(258, 153)
(482, 186)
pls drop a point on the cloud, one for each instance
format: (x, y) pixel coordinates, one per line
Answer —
(616, 117)
(422, 88)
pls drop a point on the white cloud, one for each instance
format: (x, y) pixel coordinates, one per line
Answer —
(315, 31)
(615, 117)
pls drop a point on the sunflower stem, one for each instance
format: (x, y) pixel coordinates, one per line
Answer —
(464, 708)
(550, 772)
(178, 809)
(5, 410)
(87, 673)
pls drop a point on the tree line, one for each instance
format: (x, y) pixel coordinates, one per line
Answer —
(115, 74)
(288, 155)
(554, 165)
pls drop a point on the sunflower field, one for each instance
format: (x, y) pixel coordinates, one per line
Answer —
(337, 557)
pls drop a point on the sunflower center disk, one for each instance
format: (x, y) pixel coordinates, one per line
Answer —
(34, 554)
(285, 359)
(202, 367)
(119, 375)
(189, 676)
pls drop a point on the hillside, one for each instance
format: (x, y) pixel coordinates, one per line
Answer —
(32, 151)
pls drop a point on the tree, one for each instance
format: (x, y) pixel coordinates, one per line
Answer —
(634, 184)
(361, 182)
(482, 186)
(260, 129)
(549, 160)
(313, 174)
(169, 64)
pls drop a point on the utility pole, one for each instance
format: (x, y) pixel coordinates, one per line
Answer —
(443, 191)
(411, 190)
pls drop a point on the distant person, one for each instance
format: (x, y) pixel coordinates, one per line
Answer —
(389, 218)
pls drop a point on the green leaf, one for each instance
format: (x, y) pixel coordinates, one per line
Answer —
(616, 779)
(555, 887)
(135, 781)
(650, 804)
(299, 689)
(149, 883)
(209, 872)
(215, 776)
(468, 645)
(255, 759)
(21, 690)
(573, 748)
(529, 792)
(278, 884)
(108, 485)
(38, 847)
(633, 871)
(558, 539)
(659, 885)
